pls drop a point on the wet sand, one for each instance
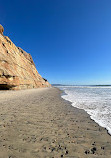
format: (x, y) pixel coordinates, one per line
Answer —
(38, 123)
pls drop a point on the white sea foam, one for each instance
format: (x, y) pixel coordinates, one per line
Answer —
(96, 101)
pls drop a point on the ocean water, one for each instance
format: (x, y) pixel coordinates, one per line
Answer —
(96, 101)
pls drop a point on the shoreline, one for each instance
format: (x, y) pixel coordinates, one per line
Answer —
(96, 121)
(39, 123)
(63, 93)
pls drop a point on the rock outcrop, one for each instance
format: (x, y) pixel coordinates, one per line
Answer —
(17, 69)
(1, 29)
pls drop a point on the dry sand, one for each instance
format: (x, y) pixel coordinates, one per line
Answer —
(38, 123)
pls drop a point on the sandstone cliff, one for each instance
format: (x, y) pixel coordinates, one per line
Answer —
(17, 69)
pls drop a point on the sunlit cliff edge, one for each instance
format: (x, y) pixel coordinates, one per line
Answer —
(17, 69)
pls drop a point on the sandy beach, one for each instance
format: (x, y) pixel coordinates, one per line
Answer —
(38, 123)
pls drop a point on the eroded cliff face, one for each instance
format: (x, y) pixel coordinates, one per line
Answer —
(17, 69)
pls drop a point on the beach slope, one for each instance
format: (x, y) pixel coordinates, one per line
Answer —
(38, 123)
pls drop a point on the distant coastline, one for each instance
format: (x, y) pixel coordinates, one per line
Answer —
(78, 85)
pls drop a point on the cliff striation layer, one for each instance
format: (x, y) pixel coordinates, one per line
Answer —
(17, 69)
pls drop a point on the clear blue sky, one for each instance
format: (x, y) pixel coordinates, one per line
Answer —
(69, 40)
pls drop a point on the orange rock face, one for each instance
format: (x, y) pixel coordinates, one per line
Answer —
(17, 69)
(1, 29)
